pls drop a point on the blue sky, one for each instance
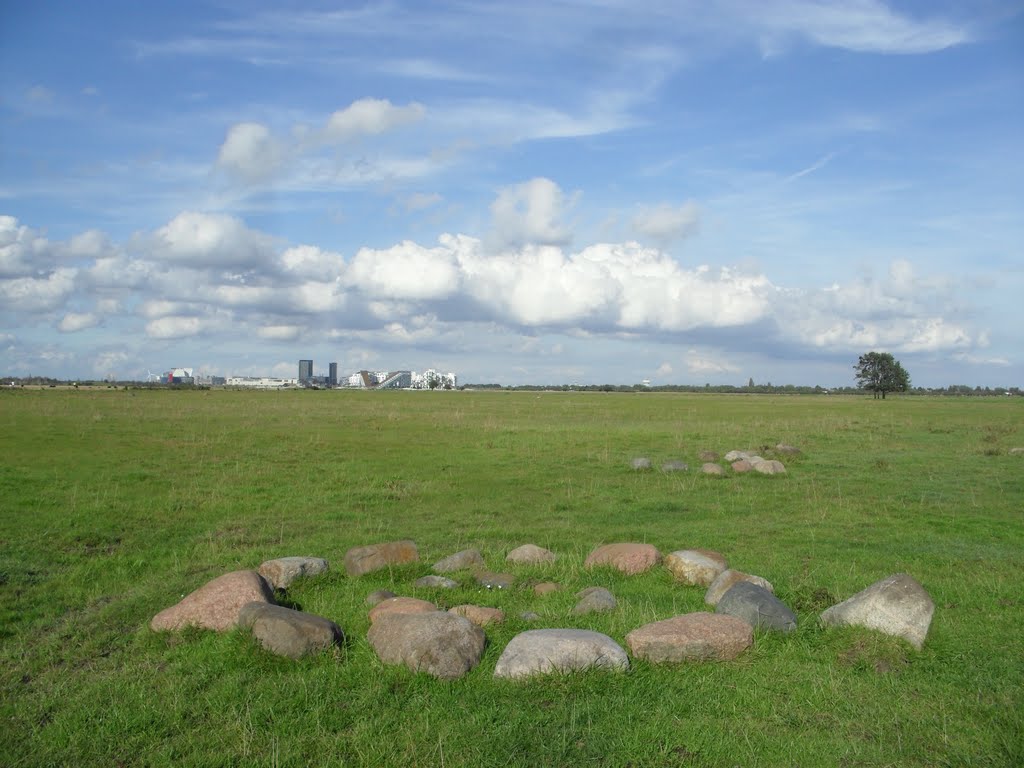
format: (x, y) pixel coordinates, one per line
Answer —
(530, 192)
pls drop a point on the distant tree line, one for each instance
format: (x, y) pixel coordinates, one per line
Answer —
(958, 390)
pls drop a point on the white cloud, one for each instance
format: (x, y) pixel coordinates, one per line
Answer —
(173, 327)
(38, 294)
(702, 365)
(308, 261)
(530, 212)
(370, 117)
(279, 332)
(23, 251)
(73, 321)
(666, 223)
(89, 244)
(665, 369)
(405, 271)
(251, 152)
(210, 239)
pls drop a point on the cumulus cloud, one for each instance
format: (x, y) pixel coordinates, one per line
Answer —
(210, 239)
(531, 212)
(279, 332)
(703, 365)
(73, 321)
(38, 294)
(23, 251)
(370, 117)
(251, 152)
(308, 261)
(173, 327)
(405, 271)
(666, 223)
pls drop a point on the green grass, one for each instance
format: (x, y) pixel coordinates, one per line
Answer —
(113, 504)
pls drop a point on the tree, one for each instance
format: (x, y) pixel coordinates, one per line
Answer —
(880, 372)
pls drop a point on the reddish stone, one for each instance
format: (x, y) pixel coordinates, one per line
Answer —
(628, 558)
(360, 560)
(215, 605)
(400, 605)
(691, 637)
(478, 614)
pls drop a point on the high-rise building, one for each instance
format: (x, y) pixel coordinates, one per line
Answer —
(332, 377)
(305, 370)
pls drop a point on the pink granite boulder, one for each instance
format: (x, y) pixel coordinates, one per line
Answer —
(691, 637)
(628, 558)
(215, 605)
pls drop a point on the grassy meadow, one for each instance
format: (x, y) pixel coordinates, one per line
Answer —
(114, 504)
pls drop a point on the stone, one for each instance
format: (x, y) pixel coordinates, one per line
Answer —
(712, 469)
(495, 580)
(772, 467)
(691, 637)
(460, 561)
(641, 464)
(435, 582)
(530, 554)
(439, 643)
(284, 570)
(400, 605)
(897, 605)
(546, 651)
(732, 456)
(695, 567)
(708, 456)
(628, 558)
(755, 459)
(741, 465)
(529, 616)
(787, 450)
(362, 560)
(216, 604)
(479, 615)
(674, 466)
(546, 588)
(379, 596)
(727, 579)
(1017, 451)
(287, 632)
(594, 600)
(758, 607)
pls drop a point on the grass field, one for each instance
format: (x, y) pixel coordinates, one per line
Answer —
(114, 504)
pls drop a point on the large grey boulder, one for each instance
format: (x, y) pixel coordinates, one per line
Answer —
(543, 651)
(289, 633)
(360, 560)
(439, 643)
(460, 561)
(594, 600)
(629, 558)
(697, 567)
(282, 571)
(530, 554)
(216, 604)
(897, 605)
(691, 637)
(758, 607)
(727, 579)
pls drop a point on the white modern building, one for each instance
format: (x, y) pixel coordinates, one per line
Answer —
(260, 382)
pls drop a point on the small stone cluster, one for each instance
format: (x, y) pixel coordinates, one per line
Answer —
(448, 644)
(740, 462)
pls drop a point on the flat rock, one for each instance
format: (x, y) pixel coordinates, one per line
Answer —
(284, 570)
(727, 579)
(708, 456)
(530, 554)
(741, 465)
(546, 588)
(674, 466)
(360, 560)
(435, 582)
(289, 633)
(216, 604)
(695, 567)
(691, 637)
(640, 463)
(628, 558)
(712, 469)
(495, 580)
(897, 605)
(757, 606)
(400, 605)
(546, 651)
(439, 643)
(379, 596)
(770, 467)
(479, 615)
(732, 456)
(594, 600)
(460, 561)
(787, 450)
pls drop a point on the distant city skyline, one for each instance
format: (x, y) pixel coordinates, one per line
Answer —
(536, 192)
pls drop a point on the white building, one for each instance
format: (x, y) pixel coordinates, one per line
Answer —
(260, 382)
